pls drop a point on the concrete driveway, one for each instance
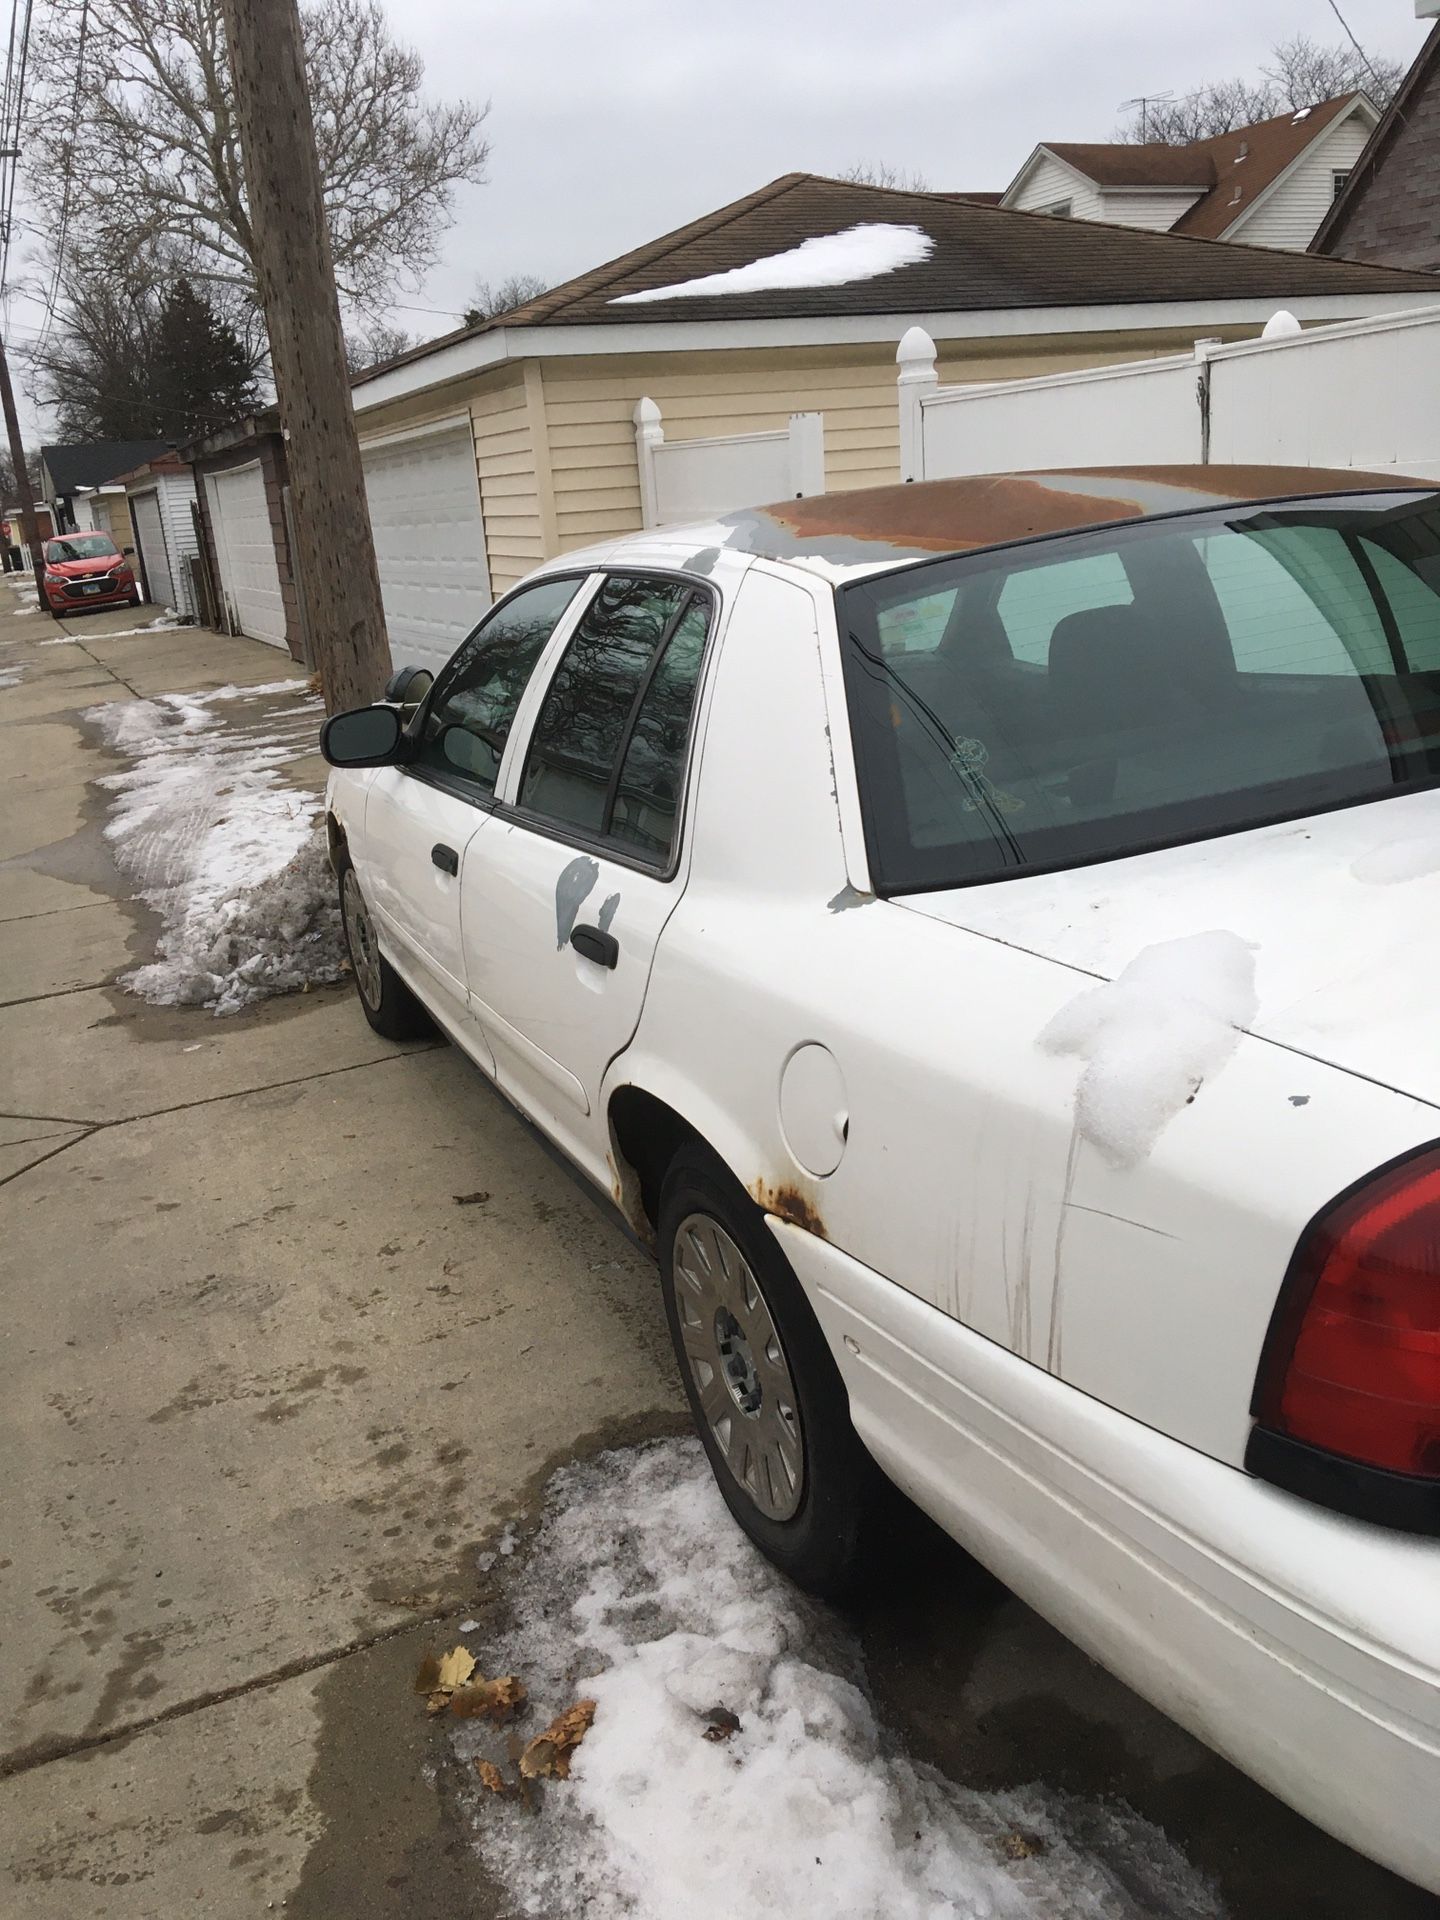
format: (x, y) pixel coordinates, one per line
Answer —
(296, 1321)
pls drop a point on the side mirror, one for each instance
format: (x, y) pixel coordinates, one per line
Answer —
(129, 552)
(364, 737)
(408, 686)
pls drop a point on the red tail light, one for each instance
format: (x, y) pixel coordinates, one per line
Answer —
(1352, 1362)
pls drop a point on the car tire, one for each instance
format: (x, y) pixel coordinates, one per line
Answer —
(757, 1420)
(385, 1000)
(134, 599)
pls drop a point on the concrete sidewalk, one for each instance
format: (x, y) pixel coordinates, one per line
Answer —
(296, 1320)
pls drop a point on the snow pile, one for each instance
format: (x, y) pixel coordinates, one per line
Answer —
(1168, 1021)
(216, 841)
(825, 260)
(643, 1595)
(10, 676)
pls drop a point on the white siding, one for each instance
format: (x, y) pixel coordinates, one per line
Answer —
(177, 495)
(1049, 182)
(1155, 211)
(1297, 206)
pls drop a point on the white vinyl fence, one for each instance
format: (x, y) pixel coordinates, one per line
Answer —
(696, 479)
(1364, 393)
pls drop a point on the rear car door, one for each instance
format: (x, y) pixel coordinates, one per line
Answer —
(421, 817)
(565, 896)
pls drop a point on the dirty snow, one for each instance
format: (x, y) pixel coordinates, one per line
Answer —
(826, 260)
(642, 1594)
(218, 842)
(1149, 1038)
(10, 676)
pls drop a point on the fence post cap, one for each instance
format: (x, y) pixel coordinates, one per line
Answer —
(1281, 325)
(647, 414)
(916, 350)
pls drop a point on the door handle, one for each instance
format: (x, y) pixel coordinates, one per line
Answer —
(445, 858)
(602, 948)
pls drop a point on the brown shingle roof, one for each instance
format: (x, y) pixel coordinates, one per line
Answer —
(1392, 121)
(1214, 167)
(1116, 164)
(984, 258)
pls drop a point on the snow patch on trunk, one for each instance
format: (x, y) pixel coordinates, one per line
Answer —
(641, 1593)
(221, 846)
(825, 260)
(1149, 1037)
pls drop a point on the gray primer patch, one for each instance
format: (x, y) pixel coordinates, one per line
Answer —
(1298, 1099)
(848, 897)
(701, 562)
(571, 889)
(607, 912)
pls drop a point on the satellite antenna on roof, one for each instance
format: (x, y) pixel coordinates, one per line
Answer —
(1144, 101)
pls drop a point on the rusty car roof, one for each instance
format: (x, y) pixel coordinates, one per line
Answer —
(884, 526)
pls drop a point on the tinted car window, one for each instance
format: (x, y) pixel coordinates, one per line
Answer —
(647, 796)
(472, 709)
(617, 715)
(1171, 680)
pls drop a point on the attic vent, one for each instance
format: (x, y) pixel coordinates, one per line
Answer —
(1303, 114)
(1244, 152)
(1238, 195)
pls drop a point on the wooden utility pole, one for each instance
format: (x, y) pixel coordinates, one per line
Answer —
(334, 551)
(29, 528)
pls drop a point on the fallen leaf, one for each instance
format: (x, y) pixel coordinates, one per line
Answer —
(469, 1199)
(1016, 1845)
(497, 1700)
(723, 1723)
(548, 1754)
(428, 1678)
(491, 1776)
(456, 1668)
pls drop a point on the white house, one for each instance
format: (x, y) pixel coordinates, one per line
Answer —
(1269, 185)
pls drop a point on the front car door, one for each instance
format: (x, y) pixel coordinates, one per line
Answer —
(566, 894)
(421, 817)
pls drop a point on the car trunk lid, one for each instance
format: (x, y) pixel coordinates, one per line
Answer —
(1342, 910)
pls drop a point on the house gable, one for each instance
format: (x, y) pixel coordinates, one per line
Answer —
(1287, 211)
(1389, 211)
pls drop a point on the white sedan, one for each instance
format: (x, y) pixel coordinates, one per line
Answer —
(980, 934)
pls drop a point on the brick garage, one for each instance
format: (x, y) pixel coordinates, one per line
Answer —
(1388, 213)
(247, 542)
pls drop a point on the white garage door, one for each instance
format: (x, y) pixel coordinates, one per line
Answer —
(429, 541)
(245, 553)
(151, 536)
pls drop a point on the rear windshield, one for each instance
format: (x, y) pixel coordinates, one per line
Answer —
(80, 546)
(1071, 700)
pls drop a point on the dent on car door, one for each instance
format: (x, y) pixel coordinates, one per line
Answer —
(565, 901)
(421, 816)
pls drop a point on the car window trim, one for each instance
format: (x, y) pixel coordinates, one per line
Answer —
(571, 836)
(456, 783)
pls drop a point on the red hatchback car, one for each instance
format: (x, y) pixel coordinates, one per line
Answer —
(87, 570)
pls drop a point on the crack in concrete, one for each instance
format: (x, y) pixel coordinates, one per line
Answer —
(42, 1753)
(206, 1100)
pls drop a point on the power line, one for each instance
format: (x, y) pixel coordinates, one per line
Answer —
(1365, 60)
(14, 141)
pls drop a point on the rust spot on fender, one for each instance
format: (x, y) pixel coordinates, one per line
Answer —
(791, 1203)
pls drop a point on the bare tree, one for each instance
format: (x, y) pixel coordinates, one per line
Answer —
(878, 173)
(155, 147)
(1302, 73)
(1306, 72)
(376, 341)
(486, 301)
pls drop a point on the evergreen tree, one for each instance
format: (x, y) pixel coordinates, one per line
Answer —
(201, 375)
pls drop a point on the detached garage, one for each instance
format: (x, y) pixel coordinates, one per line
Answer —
(424, 497)
(241, 487)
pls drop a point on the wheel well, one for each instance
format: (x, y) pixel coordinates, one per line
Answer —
(647, 1134)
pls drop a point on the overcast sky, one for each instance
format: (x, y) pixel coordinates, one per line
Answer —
(613, 122)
